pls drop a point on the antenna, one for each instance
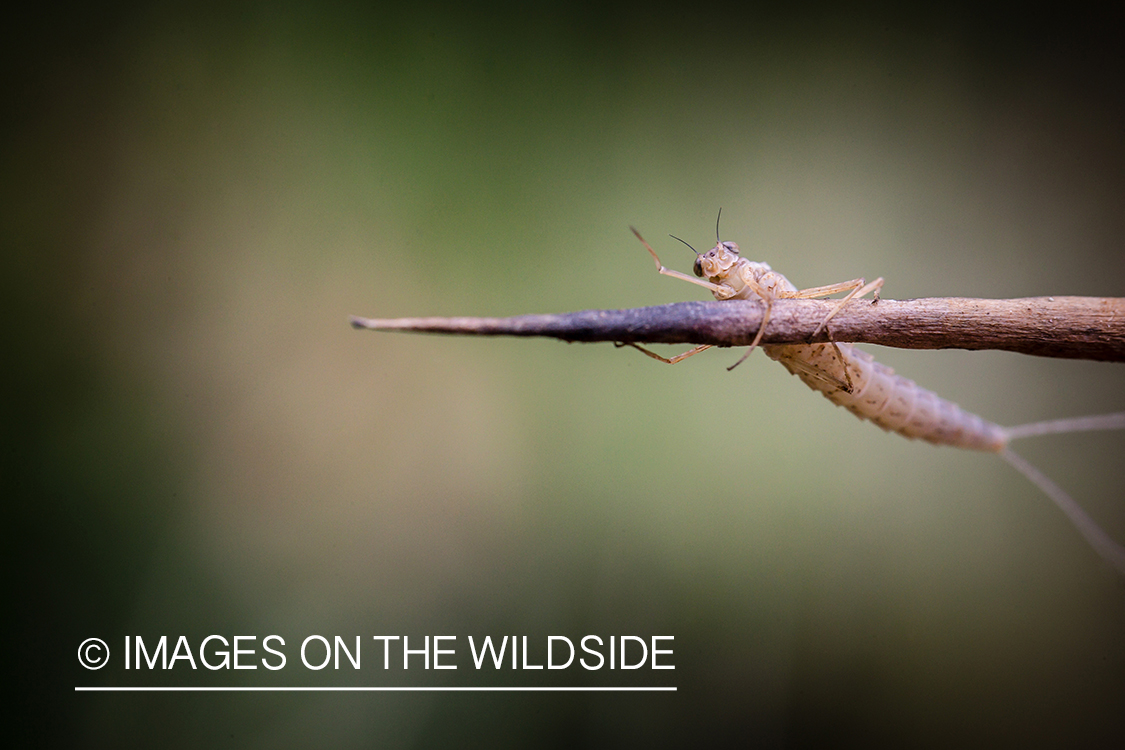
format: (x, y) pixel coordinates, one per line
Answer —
(689, 246)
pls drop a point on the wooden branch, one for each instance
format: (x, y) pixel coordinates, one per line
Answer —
(1072, 327)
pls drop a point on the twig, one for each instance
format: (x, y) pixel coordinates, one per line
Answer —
(1071, 327)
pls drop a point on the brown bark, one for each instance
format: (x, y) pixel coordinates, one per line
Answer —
(1072, 327)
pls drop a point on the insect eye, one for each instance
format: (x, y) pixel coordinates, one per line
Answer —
(698, 267)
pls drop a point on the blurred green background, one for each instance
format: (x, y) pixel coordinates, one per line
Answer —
(196, 441)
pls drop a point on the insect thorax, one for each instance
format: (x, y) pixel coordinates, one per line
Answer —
(772, 281)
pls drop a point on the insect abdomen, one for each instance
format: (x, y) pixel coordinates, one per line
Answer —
(889, 400)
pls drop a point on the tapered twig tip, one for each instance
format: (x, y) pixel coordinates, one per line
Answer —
(358, 322)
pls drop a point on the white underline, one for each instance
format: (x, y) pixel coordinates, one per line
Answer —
(372, 689)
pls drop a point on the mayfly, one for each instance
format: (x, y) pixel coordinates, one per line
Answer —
(851, 378)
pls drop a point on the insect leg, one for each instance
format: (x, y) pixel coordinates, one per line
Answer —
(761, 329)
(843, 363)
(724, 291)
(857, 290)
(798, 365)
(670, 360)
(767, 296)
(823, 291)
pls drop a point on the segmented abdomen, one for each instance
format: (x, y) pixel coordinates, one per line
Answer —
(889, 400)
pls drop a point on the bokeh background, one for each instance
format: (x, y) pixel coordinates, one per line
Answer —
(196, 441)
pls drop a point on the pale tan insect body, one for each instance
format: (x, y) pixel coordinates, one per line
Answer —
(847, 376)
(853, 379)
(886, 398)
